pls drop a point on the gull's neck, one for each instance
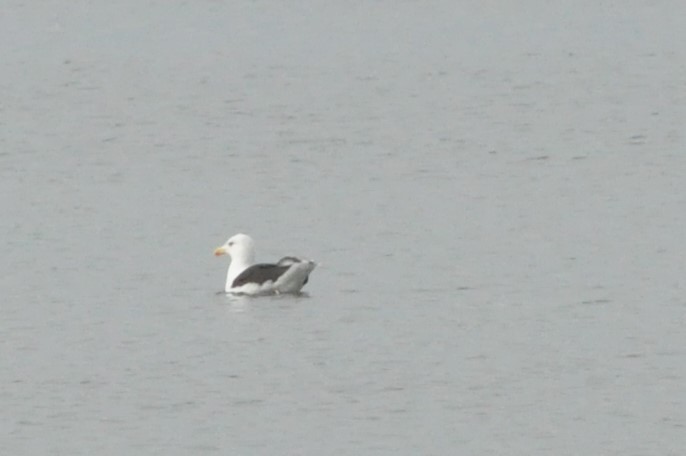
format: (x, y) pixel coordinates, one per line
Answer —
(237, 266)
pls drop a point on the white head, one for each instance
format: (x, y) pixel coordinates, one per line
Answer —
(240, 248)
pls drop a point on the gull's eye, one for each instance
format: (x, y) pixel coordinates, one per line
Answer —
(230, 243)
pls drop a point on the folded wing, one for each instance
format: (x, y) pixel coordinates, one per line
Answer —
(259, 274)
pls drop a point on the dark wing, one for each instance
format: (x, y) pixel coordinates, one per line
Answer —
(259, 274)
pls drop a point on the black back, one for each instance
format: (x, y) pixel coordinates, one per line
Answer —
(259, 273)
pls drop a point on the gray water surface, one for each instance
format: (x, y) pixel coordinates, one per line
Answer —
(495, 191)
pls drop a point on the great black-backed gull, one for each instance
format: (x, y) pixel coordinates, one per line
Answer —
(288, 275)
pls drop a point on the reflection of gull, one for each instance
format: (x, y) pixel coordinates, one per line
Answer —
(289, 275)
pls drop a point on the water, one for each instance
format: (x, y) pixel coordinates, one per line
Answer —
(495, 192)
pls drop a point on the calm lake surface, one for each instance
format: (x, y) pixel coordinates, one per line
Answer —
(495, 190)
